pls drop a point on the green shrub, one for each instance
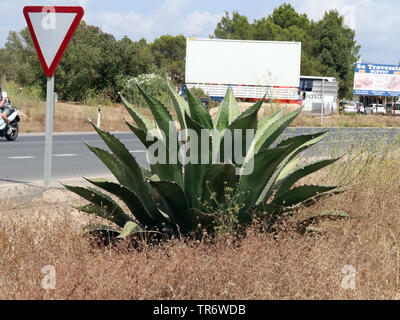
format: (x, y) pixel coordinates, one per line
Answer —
(95, 98)
(154, 84)
(31, 93)
(198, 92)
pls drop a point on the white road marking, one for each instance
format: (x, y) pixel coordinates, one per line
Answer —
(137, 151)
(65, 155)
(22, 157)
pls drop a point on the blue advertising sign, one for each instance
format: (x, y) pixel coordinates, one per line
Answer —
(377, 80)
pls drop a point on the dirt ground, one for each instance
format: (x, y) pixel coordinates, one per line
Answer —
(73, 118)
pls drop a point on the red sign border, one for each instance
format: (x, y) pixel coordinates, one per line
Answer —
(50, 70)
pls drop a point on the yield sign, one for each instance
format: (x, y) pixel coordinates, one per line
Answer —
(51, 29)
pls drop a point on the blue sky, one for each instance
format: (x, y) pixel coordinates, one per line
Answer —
(375, 21)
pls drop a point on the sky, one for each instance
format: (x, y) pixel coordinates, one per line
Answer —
(375, 21)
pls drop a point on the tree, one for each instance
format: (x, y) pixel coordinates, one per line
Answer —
(328, 47)
(338, 50)
(88, 65)
(285, 16)
(21, 63)
(170, 55)
(237, 27)
(285, 24)
(135, 58)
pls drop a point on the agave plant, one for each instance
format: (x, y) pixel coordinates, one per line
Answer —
(170, 197)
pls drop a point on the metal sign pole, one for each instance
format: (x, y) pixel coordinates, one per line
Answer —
(49, 132)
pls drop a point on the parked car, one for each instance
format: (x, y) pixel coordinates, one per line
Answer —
(397, 109)
(389, 108)
(361, 108)
(348, 107)
(375, 108)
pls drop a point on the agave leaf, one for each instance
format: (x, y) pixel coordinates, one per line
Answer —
(288, 169)
(168, 134)
(160, 114)
(246, 121)
(167, 171)
(176, 205)
(139, 185)
(194, 172)
(197, 111)
(262, 125)
(144, 217)
(142, 135)
(216, 180)
(273, 183)
(122, 153)
(272, 132)
(129, 229)
(228, 111)
(265, 164)
(117, 168)
(301, 143)
(142, 121)
(295, 146)
(266, 121)
(180, 106)
(103, 205)
(302, 172)
(301, 194)
(303, 139)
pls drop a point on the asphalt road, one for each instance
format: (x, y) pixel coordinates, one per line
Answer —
(22, 161)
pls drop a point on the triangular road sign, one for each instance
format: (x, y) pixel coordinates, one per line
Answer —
(52, 28)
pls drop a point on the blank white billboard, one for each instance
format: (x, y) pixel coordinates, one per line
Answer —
(264, 63)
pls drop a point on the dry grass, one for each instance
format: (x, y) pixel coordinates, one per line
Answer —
(74, 118)
(347, 121)
(285, 265)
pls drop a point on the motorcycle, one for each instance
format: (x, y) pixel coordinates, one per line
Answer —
(14, 120)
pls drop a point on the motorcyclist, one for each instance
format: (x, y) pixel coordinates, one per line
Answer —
(5, 110)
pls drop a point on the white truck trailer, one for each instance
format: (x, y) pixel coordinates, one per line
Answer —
(251, 68)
